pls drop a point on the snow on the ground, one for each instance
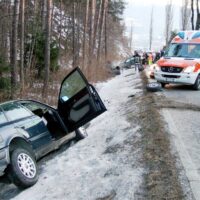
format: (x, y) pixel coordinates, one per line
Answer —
(102, 164)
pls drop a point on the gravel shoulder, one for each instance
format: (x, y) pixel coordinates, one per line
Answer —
(163, 177)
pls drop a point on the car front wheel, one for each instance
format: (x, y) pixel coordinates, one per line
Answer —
(23, 169)
(196, 85)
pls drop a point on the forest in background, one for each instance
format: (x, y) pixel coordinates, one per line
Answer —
(40, 41)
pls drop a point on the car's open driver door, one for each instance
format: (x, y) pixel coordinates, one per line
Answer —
(78, 101)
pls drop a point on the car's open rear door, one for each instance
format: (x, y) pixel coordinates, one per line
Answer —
(78, 101)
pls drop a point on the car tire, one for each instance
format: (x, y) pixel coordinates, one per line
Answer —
(22, 170)
(154, 87)
(81, 133)
(196, 85)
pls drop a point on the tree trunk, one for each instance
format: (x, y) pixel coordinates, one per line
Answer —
(4, 23)
(151, 30)
(101, 28)
(85, 32)
(33, 41)
(198, 16)
(78, 33)
(52, 15)
(131, 37)
(73, 35)
(185, 14)
(192, 15)
(96, 24)
(169, 21)
(47, 49)
(60, 29)
(44, 13)
(22, 46)
(91, 31)
(14, 49)
(106, 33)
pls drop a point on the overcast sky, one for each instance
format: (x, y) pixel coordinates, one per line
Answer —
(138, 13)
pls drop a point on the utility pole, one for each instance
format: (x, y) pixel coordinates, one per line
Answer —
(151, 30)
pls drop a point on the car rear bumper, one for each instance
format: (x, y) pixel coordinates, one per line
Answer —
(179, 78)
(3, 160)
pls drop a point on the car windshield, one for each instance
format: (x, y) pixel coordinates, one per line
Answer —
(129, 60)
(14, 111)
(183, 50)
(32, 106)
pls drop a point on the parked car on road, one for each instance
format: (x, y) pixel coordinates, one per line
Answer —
(31, 129)
(181, 61)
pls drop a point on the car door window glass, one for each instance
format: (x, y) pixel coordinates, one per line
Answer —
(32, 106)
(2, 118)
(71, 86)
(15, 111)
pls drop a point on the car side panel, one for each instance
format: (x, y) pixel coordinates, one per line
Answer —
(35, 131)
(8, 133)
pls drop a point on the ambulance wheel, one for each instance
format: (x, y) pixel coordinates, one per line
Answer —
(196, 85)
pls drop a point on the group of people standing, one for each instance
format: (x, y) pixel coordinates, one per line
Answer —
(145, 58)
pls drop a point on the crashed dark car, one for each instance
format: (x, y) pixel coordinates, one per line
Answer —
(128, 63)
(31, 129)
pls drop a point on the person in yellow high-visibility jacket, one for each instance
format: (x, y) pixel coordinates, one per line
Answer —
(150, 59)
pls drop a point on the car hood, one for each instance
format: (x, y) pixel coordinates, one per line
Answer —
(178, 62)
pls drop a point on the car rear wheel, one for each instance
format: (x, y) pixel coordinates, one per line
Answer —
(23, 169)
(196, 85)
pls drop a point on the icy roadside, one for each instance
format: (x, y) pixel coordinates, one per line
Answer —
(106, 164)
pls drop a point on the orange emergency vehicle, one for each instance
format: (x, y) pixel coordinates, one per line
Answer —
(181, 61)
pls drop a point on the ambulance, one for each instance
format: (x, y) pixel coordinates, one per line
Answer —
(181, 61)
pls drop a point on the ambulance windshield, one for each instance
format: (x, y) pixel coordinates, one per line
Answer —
(183, 50)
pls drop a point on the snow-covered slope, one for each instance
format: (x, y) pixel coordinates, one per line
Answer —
(101, 165)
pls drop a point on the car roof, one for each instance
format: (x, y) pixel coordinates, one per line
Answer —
(12, 101)
(20, 100)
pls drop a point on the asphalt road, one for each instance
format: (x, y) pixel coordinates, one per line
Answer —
(182, 93)
(184, 126)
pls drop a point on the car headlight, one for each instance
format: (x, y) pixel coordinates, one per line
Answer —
(189, 69)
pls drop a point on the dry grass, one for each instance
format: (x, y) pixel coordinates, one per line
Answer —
(34, 87)
(161, 179)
